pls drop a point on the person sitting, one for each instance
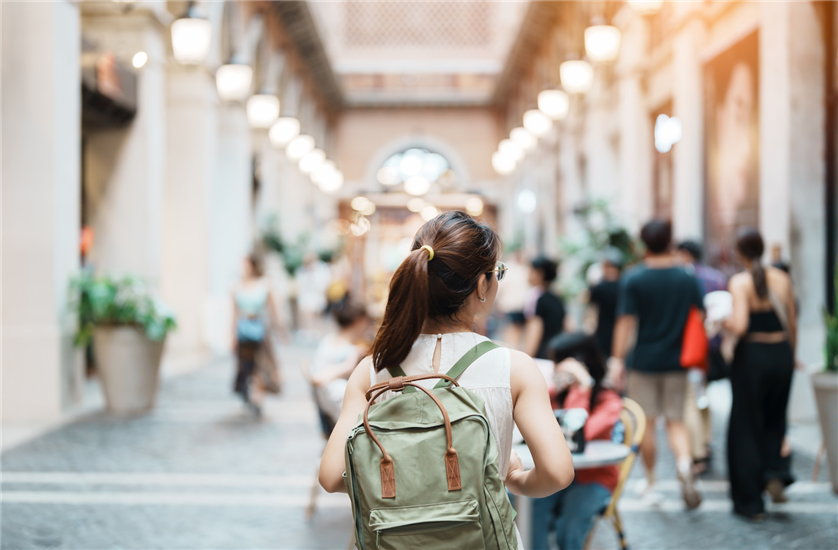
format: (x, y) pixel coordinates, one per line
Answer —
(336, 357)
(580, 370)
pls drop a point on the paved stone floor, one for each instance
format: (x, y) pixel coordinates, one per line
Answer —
(200, 473)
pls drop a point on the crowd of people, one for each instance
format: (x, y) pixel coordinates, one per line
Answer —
(629, 342)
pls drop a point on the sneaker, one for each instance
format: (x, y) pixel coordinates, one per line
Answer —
(777, 490)
(691, 496)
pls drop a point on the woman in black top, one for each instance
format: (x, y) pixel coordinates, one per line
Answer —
(545, 311)
(764, 319)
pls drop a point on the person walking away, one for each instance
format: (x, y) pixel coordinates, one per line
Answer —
(544, 312)
(337, 356)
(313, 279)
(512, 299)
(603, 299)
(655, 301)
(253, 309)
(764, 317)
(570, 513)
(697, 416)
(451, 277)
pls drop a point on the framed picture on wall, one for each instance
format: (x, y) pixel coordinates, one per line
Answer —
(732, 148)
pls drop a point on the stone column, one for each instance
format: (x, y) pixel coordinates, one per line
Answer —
(688, 154)
(792, 168)
(231, 231)
(636, 134)
(192, 146)
(41, 114)
(125, 167)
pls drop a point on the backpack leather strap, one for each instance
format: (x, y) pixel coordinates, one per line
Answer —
(466, 361)
(388, 472)
(397, 371)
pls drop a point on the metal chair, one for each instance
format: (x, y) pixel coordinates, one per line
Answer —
(634, 422)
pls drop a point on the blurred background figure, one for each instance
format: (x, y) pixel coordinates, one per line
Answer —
(764, 318)
(254, 313)
(697, 407)
(569, 514)
(337, 355)
(602, 299)
(512, 299)
(313, 281)
(655, 300)
(544, 311)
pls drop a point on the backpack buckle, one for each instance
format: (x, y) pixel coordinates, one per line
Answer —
(396, 384)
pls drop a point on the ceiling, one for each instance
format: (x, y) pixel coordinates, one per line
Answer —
(417, 53)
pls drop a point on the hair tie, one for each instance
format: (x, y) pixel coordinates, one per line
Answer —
(430, 252)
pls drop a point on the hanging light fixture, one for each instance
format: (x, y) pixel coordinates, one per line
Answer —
(646, 7)
(233, 81)
(523, 138)
(554, 103)
(299, 146)
(332, 182)
(262, 110)
(510, 149)
(537, 123)
(602, 43)
(320, 174)
(577, 76)
(502, 164)
(311, 161)
(283, 131)
(191, 36)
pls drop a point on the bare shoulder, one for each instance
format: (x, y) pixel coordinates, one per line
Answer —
(777, 276)
(740, 281)
(360, 377)
(521, 361)
(523, 371)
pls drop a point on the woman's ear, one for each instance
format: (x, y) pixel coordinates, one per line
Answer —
(483, 287)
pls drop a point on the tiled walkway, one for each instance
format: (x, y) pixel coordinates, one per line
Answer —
(199, 472)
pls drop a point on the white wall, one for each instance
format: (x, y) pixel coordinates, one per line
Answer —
(40, 123)
(125, 167)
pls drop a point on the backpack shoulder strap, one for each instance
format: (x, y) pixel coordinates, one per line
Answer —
(466, 361)
(398, 371)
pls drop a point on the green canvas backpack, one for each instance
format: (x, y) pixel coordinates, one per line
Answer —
(422, 468)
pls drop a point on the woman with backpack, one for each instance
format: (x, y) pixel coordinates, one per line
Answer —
(451, 277)
(570, 514)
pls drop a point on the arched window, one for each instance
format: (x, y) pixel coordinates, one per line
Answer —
(416, 171)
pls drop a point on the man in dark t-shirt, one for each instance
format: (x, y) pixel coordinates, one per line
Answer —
(544, 312)
(603, 296)
(656, 298)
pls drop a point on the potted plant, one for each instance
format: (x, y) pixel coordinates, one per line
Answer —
(826, 393)
(127, 326)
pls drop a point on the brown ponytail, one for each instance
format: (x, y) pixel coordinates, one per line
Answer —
(750, 245)
(421, 289)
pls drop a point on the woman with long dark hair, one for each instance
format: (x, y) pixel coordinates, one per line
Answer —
(764, 319)
(451, 277)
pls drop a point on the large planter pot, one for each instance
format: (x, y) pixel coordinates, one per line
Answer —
(128, 364)
(826, 395)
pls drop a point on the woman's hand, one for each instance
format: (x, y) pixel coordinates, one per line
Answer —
(577, 370)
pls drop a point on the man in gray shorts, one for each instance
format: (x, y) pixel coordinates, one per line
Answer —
(655, 299)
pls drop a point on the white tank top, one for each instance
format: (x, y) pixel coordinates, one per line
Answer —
(488, 377)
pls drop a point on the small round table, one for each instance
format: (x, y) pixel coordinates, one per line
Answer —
(597, 454)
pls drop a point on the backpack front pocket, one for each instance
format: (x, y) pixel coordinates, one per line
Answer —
(454, 525)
